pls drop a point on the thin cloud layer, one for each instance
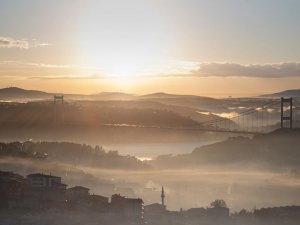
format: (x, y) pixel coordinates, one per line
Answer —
(41, 71)
(291, 69)
(7, 42)
(72, 71)
(18, 64)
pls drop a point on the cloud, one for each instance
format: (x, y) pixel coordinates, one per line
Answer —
(69, 77)
(215, 69)
(43, 71)
(7, 42)
(179, 69)
(39, 65)
(290, 69)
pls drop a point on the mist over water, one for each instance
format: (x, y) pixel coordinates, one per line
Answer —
(192, 188)
(187, 185)
(148, 151)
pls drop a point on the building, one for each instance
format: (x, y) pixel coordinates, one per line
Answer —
(39, 180)
(194, 213)
(5, 175)
(77, 193)
(155, 208)
(278, 215)
(218, 212)
(44, 191)
(156, 214)
(11, 190)
(77, 197)
(130, 208)
(99, 203)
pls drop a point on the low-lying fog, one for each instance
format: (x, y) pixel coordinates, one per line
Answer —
(149, 151)
(197, 188)
(185, 188)
(233, 170)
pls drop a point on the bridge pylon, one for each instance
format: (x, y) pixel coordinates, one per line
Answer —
(287, 102)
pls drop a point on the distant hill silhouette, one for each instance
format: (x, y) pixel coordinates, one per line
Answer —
(113, 96)
(167, 95)
(198, 108)
(110, 121)
(16, 94)
(287, 93)
(160, 95)
(13, 93)
(93, 114)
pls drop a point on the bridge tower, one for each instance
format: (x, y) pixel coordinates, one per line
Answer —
(287, 102)
(58, 101)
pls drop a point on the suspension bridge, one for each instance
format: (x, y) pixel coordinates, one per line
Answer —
(265, 118)
(275, 114)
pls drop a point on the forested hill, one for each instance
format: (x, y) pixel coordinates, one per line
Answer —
(278, 150)
(71, 154)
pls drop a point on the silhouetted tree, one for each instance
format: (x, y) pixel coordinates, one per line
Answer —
(218, 203)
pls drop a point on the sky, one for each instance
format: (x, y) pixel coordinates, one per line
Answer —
(214, 48)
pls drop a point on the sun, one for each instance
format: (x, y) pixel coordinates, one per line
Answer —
(125, 54)
(128, 64)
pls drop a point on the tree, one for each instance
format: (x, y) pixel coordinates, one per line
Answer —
(219, 203)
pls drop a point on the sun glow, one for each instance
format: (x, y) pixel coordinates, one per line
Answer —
(137, 63)
(126, 63)
(128, 66)
(127, 57)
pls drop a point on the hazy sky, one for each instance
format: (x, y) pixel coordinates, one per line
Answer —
(216, 47)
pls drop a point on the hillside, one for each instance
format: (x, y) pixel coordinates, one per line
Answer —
(285, 94)
(162, 95)
(198, 103)
(268, 151)
(191, 107)
(14, 93)
(113, 96)
(98, 122)
(91, 114)
(69, 153)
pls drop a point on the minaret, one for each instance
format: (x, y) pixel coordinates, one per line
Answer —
(162, 196)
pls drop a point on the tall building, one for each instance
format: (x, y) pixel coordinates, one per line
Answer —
(44, 191)
(11, 190)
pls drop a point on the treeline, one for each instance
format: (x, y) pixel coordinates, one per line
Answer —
(71, 153)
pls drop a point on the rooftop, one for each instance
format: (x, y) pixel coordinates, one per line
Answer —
(79, 188)
(41, 175)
